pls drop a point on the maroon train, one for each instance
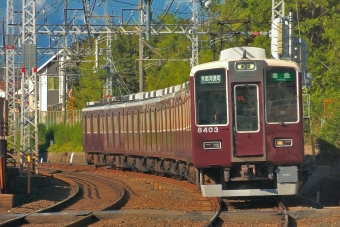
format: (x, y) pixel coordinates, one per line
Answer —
(236, 129)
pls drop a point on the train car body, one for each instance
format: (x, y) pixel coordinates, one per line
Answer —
(235, 130)
(147, 132)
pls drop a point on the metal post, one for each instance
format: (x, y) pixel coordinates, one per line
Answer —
(29, 174)
(278, 9)
(290, 33)
(97, 52)
(63, 64)
(194, 35)
(29, 102)
(148, 19)
(141, 67)
(10, 51)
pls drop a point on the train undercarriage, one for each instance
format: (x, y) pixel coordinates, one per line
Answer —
(240, 180)
(159, 166)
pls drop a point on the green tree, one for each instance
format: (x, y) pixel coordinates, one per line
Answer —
(168, 57)
(125, 57)
(90, 88)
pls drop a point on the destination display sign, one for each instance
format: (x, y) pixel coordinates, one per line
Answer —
(282, 76)
(211, 79)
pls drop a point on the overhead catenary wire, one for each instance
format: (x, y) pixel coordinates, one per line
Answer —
(161, 20)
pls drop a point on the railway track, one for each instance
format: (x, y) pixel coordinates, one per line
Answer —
(91, 194)
(96, 193)
(284, 213)
(135, 208)
(95, 198)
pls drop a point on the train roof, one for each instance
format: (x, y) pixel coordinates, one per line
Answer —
(133, 99)
(239, 53)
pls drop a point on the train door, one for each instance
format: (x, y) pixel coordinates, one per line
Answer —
(248, 135)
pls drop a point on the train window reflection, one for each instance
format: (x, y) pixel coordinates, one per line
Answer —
(211, 107)
(281, 95)
(246, 96)
(211, 99)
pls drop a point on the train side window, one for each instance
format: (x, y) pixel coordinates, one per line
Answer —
(88, 124)
(103, 124)
(138, 128)
(211, 97)
(109, 130)
(119, 130)
(95, 123)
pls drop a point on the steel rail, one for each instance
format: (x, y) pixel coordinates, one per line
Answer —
(285, 216)
(22, 217)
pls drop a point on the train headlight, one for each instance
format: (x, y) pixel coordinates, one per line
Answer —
(245, 66)
(240, 66)
(212, 145)
(283, 142)
(250, 66)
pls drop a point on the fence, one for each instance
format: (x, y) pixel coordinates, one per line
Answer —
(68, 117)
(49, 118)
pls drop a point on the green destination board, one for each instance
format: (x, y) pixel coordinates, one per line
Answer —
(282, 76)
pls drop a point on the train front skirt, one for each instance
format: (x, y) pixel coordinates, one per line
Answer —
(287, 184)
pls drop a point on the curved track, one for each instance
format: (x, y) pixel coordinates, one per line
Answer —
(96, 193)
(91, 194)
(89, 205)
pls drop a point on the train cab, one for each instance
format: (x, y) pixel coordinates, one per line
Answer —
(247, 125)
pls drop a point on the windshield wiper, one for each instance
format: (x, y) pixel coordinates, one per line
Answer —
(277, 118)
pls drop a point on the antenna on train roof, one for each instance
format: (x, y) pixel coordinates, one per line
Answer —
(244, 54)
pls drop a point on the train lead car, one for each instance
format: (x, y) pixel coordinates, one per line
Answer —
(236, 130)
(247, 124)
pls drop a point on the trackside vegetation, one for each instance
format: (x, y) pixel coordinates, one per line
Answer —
(61, 138)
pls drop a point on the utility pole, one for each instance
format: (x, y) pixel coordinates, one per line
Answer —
(63, 64)
(279, 31)
(29, 86)
(109, 61)
(148, 19)
(194, 34)
(278, 9)
(11, 88)
(141, 63)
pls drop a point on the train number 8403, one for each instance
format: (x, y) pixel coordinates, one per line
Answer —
(207, 129)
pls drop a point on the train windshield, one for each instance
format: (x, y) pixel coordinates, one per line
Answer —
(246, 106)
(211, 101)
(281, 95)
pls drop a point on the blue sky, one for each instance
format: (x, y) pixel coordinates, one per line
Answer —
(52, 12)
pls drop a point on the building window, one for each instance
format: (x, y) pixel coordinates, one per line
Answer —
(53, 83)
